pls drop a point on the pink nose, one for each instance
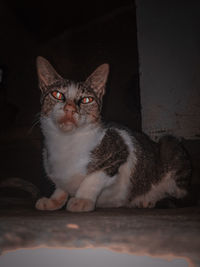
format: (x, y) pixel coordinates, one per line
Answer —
(70, 107)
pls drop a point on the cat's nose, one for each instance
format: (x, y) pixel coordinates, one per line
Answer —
(70, 107)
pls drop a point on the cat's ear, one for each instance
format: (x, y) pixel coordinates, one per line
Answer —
(46, 73)
(97, 80)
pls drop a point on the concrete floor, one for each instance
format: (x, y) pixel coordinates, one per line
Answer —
(156, 232)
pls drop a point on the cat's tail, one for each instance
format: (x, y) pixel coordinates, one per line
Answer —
(15, 182)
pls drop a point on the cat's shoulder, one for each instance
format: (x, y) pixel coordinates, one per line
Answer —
(115, 129)
(116, 135)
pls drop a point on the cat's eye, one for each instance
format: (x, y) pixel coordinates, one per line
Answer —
(87, 100)
(57, 95)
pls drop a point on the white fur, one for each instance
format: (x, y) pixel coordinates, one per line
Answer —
(93, 184)
(166, 186)
(71, 91)
(68, 153)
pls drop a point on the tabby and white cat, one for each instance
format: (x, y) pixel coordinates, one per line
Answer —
(93, 165)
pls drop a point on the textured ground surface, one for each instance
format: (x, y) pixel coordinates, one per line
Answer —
(156, 232)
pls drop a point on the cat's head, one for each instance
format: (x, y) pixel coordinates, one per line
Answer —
(69, 104)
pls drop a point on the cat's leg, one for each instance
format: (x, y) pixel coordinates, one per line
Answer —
(55, 202)
(89, 190)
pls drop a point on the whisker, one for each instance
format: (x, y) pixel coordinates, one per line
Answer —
(36, 121)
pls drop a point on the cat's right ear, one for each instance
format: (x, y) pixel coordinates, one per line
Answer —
(97, 80)
(46, 73)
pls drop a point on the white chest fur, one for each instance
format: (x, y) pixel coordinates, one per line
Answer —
(69, 154)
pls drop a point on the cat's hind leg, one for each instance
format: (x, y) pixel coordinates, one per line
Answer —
(55, 202)
(166, 187)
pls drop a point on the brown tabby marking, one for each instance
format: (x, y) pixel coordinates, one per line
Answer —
(147, 169)
(47, 106)
(110, 154)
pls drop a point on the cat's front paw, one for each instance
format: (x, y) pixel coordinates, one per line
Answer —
(45, 203)
(80, 205)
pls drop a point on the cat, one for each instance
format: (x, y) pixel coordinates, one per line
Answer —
(94, 165)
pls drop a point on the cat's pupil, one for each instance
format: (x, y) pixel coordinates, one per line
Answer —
(86, 100)
(58, 95)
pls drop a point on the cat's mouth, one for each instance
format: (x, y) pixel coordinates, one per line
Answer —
(67, 123)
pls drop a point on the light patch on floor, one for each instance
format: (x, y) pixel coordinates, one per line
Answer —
(82, 258)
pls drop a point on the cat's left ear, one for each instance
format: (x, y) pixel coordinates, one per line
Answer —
(97, 80)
